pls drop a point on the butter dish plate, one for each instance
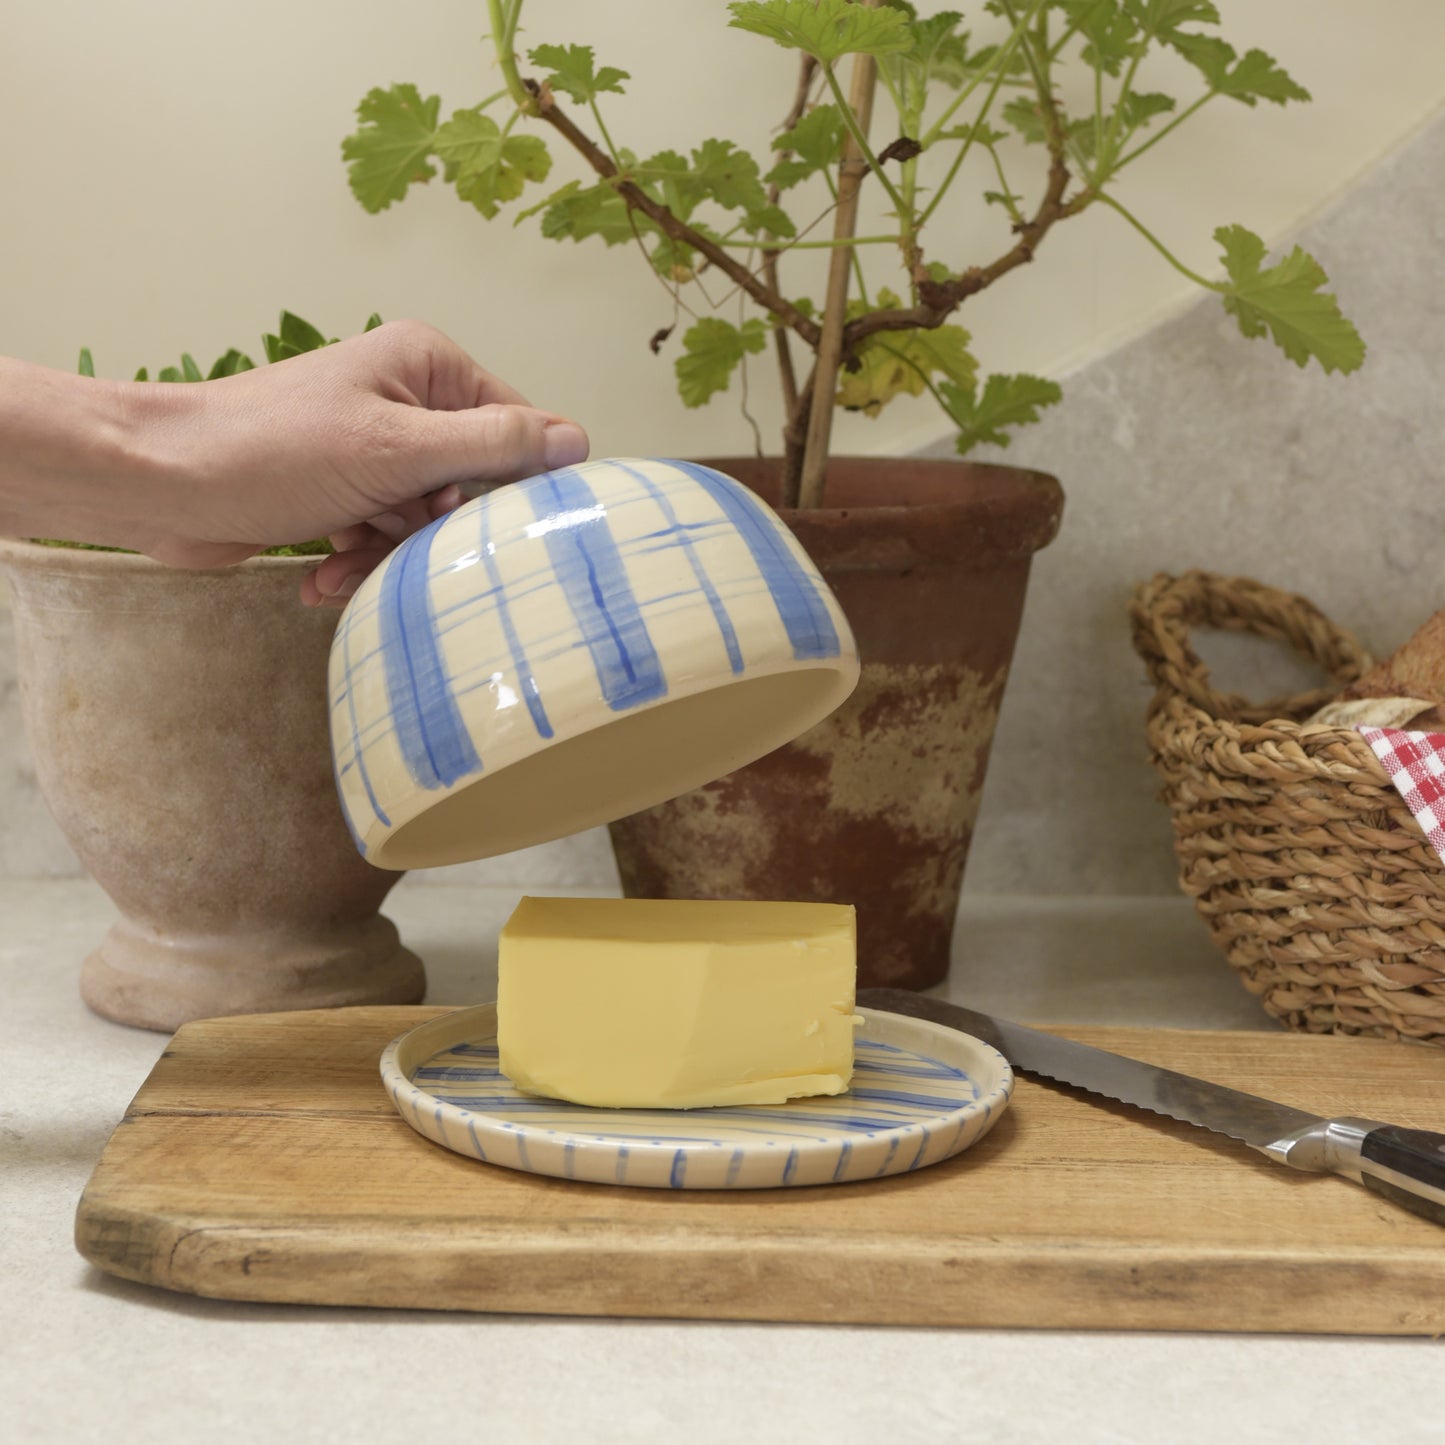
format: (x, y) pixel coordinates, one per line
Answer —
(921, 1094)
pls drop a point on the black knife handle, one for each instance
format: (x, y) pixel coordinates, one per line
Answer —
(1407, 1167)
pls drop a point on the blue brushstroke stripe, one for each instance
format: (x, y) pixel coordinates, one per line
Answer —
(434, 741)
(476, 1143)
(677, 529)
(525, 678)
(357, 754)
(800, 606)
(679, 1169)
(594, 580)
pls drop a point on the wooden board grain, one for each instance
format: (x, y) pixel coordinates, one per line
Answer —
(263, 1161)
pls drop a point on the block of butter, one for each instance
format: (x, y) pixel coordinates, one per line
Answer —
(676, 1003)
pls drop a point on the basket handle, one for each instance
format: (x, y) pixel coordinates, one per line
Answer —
(1165, 609)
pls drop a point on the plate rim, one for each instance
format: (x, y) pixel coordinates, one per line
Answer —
(425, 1040)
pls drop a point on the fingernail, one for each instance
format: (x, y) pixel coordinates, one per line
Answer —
(564, 444)
(344, 588)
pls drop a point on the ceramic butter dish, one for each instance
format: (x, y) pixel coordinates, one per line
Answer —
(571, 649)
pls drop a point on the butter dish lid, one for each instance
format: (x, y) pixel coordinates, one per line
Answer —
(572, 649)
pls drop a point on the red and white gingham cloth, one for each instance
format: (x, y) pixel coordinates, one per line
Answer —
(1416, 765)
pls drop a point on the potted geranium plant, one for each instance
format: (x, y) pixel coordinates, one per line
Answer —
(178, 724)
(929, 558)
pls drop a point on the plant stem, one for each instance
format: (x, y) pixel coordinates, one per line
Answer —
(1041, 80)
(1004, 188)
(858, 125)
(998, 69)
(1159, 135)
(939, 299)
(857, 160)
(602, 129)
(1104, 152)
(1159, 245)
(662, 217)
(816, 245)
(504, 30)
(787, 375)
(1001, 62)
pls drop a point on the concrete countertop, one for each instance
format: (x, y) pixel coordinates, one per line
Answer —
(84, 1356)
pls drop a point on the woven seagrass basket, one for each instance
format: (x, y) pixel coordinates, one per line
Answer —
(1312, 874)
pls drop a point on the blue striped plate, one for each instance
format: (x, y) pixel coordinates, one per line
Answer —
(921, 1094)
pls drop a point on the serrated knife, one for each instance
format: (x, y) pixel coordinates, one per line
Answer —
(1405, 1166)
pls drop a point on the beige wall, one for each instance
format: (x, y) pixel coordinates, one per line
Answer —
(171, 179)
(153, 204)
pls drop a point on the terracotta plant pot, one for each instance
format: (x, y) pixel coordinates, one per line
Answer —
(178, 726)
(875, 806)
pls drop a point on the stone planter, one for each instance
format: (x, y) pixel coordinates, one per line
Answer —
(875, 806)
(178, 727)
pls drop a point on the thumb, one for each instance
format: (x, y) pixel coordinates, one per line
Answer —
(495, 442)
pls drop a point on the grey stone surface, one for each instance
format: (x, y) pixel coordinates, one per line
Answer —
(1189, 447)
(1193, 447)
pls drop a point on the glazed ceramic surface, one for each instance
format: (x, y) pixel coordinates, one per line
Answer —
(572, 648)
(921, 1094)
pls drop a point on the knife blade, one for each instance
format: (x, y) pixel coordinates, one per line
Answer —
(1405, 1166)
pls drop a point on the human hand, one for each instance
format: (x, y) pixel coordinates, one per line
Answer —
(363, 442)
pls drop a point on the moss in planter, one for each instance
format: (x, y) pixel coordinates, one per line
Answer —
(321, 548)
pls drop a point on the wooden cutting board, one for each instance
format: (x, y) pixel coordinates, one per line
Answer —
(263, 1161)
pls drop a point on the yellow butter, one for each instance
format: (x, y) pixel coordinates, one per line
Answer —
(676, 1004)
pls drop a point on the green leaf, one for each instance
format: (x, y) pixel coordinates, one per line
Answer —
(576, 212)
(730, 177)
(372, 322)
(982, 133)
(1250, 78)
(1024, 115)
(570, 69)
(1109, 30)
(894, 363)
(469, 142)
(390, 149)
(142, 375)
(300, 334)
(486, 168)
(713, 348)
(825, 29)
(189, 370)
(1140, 107)
(1162, 18)
(230, 364)
(87, 362)
(169, 373)
(1006, 401)
(816, 143)
(937, 52)
(1285, 301)
(1259, 76)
